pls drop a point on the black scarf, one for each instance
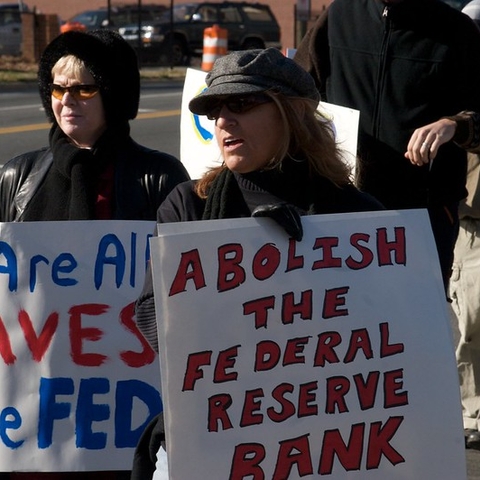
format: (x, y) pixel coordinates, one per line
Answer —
(234, 195)
(69, 189)
(224, 198)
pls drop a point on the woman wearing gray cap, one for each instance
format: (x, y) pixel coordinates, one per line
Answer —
(279, 156)
(280, 159)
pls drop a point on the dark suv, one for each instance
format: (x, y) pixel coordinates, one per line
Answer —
(248, 25)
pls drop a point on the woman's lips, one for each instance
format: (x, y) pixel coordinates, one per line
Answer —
(232, 143)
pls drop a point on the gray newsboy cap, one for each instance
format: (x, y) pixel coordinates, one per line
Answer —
(253, 71)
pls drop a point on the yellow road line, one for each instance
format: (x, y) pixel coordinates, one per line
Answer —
(25, 128)
(166, 113)
(46, 126)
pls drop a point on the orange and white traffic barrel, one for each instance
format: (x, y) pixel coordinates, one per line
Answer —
(215, 42)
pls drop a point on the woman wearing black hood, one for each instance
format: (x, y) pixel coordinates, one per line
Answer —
(90, 87)
(92, 169)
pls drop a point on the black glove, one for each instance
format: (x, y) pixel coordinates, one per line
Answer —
(145, 457)
(286, 215)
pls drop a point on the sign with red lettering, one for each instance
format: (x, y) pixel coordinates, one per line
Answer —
(78, 380)
(331, 356)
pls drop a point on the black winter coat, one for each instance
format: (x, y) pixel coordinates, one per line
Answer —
(402, 66)
(143, 178)
(184, 205)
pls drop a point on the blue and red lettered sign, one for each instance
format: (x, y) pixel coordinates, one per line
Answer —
(79, 381)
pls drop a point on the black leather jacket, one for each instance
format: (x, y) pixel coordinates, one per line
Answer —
(143, 178)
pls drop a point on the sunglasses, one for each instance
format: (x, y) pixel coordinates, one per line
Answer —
(238, 104)
(78, 92)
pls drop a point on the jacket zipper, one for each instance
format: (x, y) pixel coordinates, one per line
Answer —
(381, 71)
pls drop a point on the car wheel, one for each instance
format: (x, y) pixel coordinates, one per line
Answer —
(252, 43)
(174, 53)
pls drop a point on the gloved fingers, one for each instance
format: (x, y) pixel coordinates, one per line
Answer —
(286, 215)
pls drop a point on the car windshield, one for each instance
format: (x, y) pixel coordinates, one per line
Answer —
(181, 13)
(90, 19)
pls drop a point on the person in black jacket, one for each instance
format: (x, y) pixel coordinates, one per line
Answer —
(92, 169)
(403, 64)
(280, 160)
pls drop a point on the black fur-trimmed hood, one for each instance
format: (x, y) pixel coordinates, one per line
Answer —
(112, 63)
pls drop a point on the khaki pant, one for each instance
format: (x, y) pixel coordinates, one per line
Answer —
(465, 295)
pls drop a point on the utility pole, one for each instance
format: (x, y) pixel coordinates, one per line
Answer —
(170, 54)
(109, 9)
(139, 19)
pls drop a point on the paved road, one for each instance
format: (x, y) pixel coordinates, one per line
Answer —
(24, 127)
(473, 464)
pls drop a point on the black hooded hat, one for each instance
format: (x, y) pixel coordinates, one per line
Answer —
(112, 63)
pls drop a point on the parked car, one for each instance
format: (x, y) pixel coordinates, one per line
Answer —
(118, 16)
(11, 28)
(248, 25)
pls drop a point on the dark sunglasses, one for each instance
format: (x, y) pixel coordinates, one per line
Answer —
(78, 92)
(238, 104)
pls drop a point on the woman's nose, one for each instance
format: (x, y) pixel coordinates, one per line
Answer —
(68, 98)
(225, 117)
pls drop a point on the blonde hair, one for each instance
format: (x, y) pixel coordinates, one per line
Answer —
(308, 137)
(69, 65)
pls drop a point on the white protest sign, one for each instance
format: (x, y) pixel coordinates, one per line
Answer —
(79, 381)
(199, 150)
(344, 122)
(332, 356)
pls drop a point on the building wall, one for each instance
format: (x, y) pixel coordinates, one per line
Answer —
(283, 10)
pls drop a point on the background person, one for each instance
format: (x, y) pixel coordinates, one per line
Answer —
(465, 295)
(403, 64)
(463, 129)
(92, 169)
(465, 282)
(280, 160)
